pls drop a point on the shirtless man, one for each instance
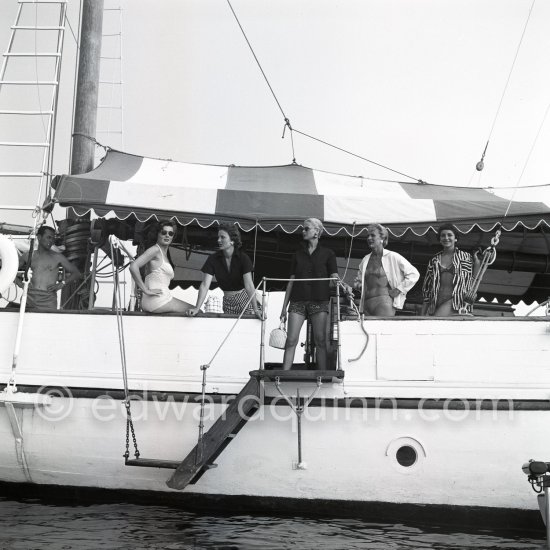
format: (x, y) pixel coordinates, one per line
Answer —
(385, 277)
(45, 269)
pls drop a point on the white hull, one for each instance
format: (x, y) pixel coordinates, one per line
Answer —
(465, 457)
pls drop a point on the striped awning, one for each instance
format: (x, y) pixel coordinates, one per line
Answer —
(283, 196)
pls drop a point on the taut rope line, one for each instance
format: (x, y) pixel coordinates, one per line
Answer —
(115, 243)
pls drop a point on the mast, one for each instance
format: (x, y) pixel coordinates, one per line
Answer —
(83, 148)
(87, 91)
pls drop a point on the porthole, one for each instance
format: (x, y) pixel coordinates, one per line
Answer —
(406, 456)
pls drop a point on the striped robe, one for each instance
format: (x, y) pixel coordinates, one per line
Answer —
(462, 279)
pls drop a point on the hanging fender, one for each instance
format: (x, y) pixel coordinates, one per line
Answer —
(10, 263)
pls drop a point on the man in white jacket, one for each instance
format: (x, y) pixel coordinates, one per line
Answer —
(384, 277)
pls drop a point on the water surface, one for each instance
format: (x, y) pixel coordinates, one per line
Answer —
(33, 524)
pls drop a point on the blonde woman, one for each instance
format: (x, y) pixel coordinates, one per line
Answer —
(384, 277)
(309, 299)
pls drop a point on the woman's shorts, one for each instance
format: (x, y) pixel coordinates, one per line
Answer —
(309, 308)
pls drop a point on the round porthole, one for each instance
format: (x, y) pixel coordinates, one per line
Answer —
(406, 456)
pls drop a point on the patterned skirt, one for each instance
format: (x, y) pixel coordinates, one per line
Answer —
(235, 303)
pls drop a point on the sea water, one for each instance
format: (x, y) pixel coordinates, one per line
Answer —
(34, 524)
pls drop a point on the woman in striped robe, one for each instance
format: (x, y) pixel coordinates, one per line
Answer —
(448, 277)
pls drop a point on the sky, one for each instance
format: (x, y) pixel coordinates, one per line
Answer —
(411, 84)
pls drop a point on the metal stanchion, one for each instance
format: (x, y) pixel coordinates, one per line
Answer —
(338, 348)
(262, 341)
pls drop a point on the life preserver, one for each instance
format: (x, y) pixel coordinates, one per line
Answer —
(10, 263)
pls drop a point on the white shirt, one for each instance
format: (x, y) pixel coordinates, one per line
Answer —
(401, 275)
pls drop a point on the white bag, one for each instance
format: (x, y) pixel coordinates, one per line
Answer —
(277, 338)
(213, 304)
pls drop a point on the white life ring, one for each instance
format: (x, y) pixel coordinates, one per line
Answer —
(10, 263)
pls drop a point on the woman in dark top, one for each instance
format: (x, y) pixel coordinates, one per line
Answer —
(309, 299)
(233, 271)
(448, 276)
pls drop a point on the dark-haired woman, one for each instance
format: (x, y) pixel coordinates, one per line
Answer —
(233, 271)
(156, 294)
(448, 277)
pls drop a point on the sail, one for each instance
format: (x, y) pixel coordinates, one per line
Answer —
(275, 197)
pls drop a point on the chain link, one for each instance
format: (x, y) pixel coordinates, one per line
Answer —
(130, 428)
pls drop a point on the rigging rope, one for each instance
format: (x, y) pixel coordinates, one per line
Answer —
(350, 249)
(75, 74)
(287, 120)
(480, 164)
(37, 88)
(55, 101)
(359, 157)
(233, 326)
(257, 60)
(200, 442)
(93, 140)
(71, 28)
(360, 319)
(527, 160)
(114, 243)
(287, 125)
(255, 245)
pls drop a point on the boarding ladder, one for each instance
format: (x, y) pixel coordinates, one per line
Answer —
(243, 407)
(29, 81)
(245, 404)
(202, 457)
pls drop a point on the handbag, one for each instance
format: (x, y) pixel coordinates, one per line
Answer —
(213, 305)
(277, 337)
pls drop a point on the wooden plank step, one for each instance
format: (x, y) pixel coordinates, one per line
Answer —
(218, 436)
(153, 463)
(160, 463)
(298, 375)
